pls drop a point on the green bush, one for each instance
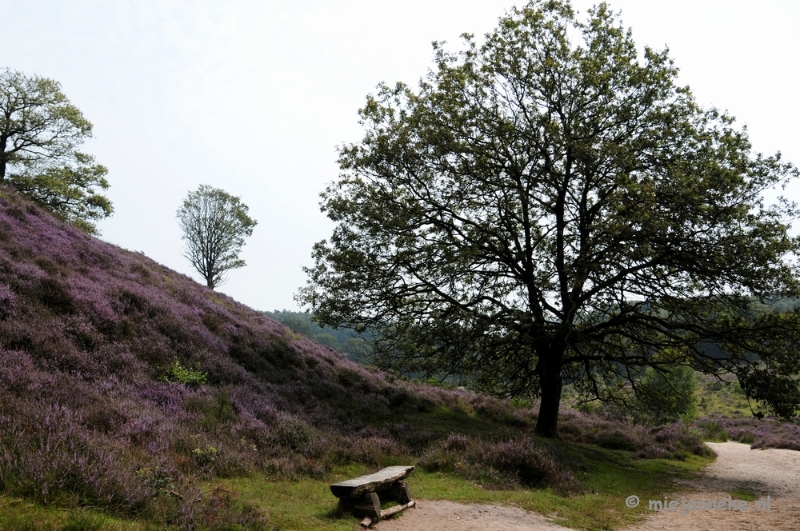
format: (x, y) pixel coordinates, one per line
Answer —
(184, 375)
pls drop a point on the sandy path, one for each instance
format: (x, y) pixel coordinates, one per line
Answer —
(773, 473)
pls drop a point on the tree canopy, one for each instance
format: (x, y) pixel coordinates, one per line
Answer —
(40, 131)
(214, 225)
(549, 206)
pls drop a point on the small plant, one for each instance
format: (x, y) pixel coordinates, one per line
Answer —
(178, 373)
(205, 457)
(218, 413)
(156, 478)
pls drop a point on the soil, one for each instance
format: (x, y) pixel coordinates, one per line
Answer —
(765, 473)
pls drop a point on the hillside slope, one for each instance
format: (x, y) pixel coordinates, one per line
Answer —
(90, 332)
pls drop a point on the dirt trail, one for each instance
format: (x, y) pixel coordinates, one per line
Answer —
(773, 473)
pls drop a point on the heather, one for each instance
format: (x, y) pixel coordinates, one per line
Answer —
(91, 340)
(758, 433)
(130, 388)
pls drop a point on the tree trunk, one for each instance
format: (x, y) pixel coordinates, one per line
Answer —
(3, 156)
(550, 379)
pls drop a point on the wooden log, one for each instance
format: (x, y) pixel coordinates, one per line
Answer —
(366, 522)
(357, 487)
(396, 509)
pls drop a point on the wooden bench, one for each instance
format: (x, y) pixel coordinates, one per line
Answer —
(360, 495)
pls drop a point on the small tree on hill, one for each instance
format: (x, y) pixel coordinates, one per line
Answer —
(214, 225)
(551, 206)
(40, 131)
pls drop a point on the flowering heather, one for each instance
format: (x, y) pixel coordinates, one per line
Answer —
(672, 441)
(758, 433)
(519, 461)
(90, 336)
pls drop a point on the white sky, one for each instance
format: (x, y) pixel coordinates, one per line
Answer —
(253, 97)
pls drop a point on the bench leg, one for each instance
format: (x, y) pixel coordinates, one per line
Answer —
(400, 492)
(369, 504)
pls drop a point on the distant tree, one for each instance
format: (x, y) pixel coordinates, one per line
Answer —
(214, 225)
(551, 206)
(664, 397)
(40, 131)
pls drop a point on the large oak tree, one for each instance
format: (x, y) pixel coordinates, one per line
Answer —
(552, 206)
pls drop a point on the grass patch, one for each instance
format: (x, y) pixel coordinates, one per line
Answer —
(743, 493)
(19, 514)
(610, 477)
(712, 431)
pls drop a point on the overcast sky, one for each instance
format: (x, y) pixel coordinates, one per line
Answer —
(253, 96)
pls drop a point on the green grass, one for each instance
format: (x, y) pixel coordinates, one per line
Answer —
(612, 477)
(18, 514)
(743, 493)
(609, 478)
(721, 398)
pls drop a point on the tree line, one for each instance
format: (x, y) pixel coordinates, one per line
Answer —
(350, 342)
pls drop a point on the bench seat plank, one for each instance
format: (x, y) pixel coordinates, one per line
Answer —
(354, 488)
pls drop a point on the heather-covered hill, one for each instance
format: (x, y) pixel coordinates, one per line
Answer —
(90, 332)
(124, 385)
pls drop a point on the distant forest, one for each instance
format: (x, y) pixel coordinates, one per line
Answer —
(354, 345)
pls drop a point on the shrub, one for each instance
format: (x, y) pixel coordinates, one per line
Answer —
(671, 441)
(375, 450)
(291, 433)
(186, 376)
(513, 462)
